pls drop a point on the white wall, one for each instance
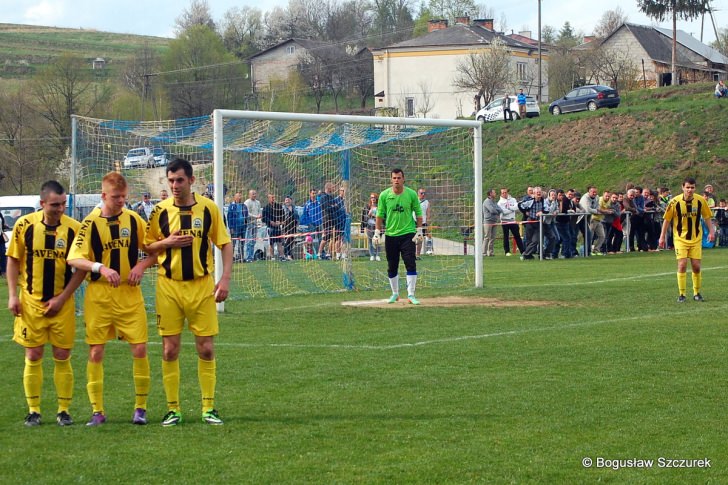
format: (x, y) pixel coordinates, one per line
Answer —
(402, 74)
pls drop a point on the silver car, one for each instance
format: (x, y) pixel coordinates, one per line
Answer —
(139, 158)
(494, 110)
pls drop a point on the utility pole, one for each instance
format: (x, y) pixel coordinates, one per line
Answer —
(540, 84)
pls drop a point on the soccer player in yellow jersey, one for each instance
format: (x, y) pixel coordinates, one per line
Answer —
(684, 213)
(45, 309)
(181, 231)
(108, 246)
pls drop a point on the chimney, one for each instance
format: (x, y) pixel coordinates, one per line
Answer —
(437, 24)
(525, 33)
(464, 20)
(485, 23)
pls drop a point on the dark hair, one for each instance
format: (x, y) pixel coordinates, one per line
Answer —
(180, 163)
(689, 180)
(51, 186)
(398, 170)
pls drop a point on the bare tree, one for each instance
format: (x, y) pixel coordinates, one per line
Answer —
(145, 61)
(350, 20)
(564, 72)
(611, 66)
(427, 103)
(449, 9)
(197, 13)
(316, 74)
(721, 42)
(548, 34)
(485, 71)
(65, 88)
(362, 75)
(611, 20)
(137, 74)
(25, 148)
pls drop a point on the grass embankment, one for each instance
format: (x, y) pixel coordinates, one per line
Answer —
(655, 137)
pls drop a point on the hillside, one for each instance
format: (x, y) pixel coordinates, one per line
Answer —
(24, 48)
(656, 137)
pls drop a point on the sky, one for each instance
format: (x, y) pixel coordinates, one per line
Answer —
(156, 17)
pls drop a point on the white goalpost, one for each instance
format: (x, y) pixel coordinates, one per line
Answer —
(220, 115)
(291, 154)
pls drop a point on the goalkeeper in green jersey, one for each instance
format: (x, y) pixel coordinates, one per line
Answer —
(394, 212)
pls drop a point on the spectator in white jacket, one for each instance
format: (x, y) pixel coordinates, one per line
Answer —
(509, 206)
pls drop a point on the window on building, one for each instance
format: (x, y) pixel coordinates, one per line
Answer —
(291, 49)
(409, 107)
(521, 71)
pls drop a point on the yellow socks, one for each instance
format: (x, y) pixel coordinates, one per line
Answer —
(141, 382)
(207, 376)
(697, 282)
(63, 379)
(682, 282)
(32, 383)
(95, 385)
(170, 380)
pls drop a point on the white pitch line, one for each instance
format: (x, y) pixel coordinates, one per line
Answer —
(609, 280)
(422, 343)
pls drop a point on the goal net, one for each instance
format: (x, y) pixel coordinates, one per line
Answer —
(290, 155)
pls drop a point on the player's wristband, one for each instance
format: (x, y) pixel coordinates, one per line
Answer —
(96, 267)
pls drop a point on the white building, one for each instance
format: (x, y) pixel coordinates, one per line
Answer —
(416, 76)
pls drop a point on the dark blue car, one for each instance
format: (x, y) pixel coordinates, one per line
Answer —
(584, 98)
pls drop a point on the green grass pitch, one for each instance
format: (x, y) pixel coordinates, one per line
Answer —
(609, 367)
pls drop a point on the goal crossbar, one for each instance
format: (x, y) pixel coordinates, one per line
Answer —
(219, 115)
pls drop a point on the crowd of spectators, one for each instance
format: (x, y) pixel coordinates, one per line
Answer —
(566, 223)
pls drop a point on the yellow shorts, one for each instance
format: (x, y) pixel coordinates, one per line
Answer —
(112, 311)
(33, 329)
(693, 251)
(193, 300)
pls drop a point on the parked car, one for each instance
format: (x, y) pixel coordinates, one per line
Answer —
(139, 158)
(584, 98)
(494, 110)
(161, 159)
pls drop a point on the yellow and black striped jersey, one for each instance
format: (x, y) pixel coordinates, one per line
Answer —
(112, 241)
(203, 221)
(685, 217)
(41, 251)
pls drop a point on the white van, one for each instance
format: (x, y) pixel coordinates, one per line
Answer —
(13, 207)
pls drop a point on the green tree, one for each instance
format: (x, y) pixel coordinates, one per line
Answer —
(567, 37)
(421, 22)
(661, 10)
(201, 74)
(391, 21)
(242, 31)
